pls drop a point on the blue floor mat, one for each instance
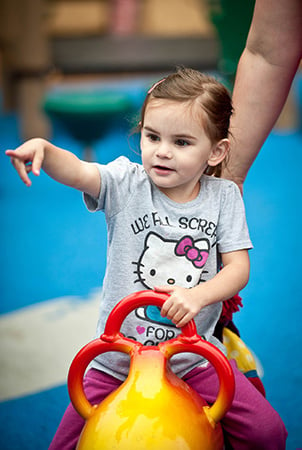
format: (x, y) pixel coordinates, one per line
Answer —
(30, 423)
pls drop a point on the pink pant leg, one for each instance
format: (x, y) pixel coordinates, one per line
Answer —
(251, 423)
(97, 386)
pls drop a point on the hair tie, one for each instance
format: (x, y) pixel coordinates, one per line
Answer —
(155, 85)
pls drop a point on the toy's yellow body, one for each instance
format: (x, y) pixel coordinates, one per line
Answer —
(153, 409)
(236, 349)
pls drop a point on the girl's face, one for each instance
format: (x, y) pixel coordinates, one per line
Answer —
(175, 149)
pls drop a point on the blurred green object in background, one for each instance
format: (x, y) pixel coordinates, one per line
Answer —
(87, 114)
(232, 19)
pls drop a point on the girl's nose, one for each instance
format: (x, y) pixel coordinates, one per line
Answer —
(163, 151)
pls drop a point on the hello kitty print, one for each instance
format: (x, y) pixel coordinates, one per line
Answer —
(168, 262)
(172, 262)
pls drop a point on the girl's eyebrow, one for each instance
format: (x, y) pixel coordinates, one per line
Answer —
(150, 129)
(185, 136)
(176, 136)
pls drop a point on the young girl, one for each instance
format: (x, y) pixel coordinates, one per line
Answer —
(170, 227)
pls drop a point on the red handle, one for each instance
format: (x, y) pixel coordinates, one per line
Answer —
(79, 365)
(220, 363)
(134, 301)
(113, 340)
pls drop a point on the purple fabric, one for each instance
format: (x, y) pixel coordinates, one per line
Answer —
(251, 423)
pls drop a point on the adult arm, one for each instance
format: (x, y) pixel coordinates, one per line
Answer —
(264, 76)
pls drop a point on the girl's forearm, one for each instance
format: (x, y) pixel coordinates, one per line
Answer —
(61, 165)
(183, 304)
(226, 283)
(66, 168)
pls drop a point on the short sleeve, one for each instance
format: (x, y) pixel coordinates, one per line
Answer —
(118, 180)
(232, 230)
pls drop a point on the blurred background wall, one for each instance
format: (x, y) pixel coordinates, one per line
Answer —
(42, 41)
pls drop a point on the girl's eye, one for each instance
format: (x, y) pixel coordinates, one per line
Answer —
(153, 137)
(182, 143)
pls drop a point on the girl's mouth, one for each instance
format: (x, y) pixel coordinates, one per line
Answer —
(162, 169)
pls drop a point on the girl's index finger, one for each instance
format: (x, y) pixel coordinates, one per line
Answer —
(10, 152)
(16, 154)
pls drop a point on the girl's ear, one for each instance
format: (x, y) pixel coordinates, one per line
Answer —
(219, 152)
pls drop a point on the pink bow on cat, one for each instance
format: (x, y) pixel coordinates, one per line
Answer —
(185, 247)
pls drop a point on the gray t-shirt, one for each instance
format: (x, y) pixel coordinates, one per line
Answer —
(153, 241)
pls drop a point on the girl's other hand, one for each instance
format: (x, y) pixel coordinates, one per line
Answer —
(180, 307)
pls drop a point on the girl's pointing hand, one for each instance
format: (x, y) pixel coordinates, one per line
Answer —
(27, 158)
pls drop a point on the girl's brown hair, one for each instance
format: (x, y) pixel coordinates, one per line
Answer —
(201, 90)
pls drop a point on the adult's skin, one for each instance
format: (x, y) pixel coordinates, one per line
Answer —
(264, 76)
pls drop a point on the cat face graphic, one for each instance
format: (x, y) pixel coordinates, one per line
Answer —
(172, 262)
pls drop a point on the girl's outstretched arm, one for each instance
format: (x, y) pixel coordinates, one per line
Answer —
(183, 304)
(61, 165)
